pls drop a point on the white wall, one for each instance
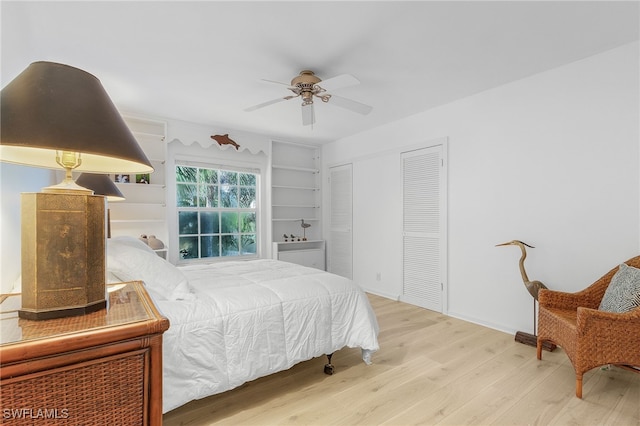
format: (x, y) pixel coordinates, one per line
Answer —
(551, 160)
(15, 179)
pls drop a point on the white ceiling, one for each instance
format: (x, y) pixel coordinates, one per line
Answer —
(203, 61)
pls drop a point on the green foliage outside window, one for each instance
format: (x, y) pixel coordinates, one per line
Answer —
(216, 213)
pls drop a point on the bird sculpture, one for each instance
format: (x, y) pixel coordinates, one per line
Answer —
(533, 287)
(304, 229)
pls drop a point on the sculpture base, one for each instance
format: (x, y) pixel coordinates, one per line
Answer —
(532, 340)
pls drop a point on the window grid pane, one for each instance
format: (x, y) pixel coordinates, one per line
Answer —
(216, 213)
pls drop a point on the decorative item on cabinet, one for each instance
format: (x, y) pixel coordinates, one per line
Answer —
(304, 229)
(143, 178)
(120, 178)
(155, 243)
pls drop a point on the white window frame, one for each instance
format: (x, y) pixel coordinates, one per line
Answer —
(224, 167)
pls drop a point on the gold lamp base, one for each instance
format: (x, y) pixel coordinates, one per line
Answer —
(60, 313)
(63, 255)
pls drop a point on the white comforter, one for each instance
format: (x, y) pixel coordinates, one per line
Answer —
(254, 318)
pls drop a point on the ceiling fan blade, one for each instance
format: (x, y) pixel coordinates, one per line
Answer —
(271, 102)
(338, 82)
(276, 82)
(308, 116)
(350, 104)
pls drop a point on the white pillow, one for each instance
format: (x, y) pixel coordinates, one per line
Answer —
(155, 296)
(128, 241)
(129, 263)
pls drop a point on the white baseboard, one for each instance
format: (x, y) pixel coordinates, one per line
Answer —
(395, 297)
(499, 327)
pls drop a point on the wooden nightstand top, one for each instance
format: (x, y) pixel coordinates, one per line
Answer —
(129, 314)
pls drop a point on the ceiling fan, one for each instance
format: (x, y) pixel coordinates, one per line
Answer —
(307, 85)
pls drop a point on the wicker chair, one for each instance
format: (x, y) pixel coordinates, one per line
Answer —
(589, 337)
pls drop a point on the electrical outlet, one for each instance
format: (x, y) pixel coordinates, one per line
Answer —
(378, 276)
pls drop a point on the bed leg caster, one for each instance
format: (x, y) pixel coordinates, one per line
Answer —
(328, 368)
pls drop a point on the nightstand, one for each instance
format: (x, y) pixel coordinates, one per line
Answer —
(104, 368)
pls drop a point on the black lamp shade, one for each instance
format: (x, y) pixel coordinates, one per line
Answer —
(100, 184)
(53, 107)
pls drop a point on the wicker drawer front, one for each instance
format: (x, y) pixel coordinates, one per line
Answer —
(105, 391)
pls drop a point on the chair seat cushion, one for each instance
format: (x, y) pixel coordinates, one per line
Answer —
(623, 293)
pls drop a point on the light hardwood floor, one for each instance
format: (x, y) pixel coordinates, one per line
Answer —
(430, 369)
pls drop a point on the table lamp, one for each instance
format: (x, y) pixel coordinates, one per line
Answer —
(55, 115)
(101, 184)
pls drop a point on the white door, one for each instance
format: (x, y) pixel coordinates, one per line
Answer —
(423, 203)
(339, 250)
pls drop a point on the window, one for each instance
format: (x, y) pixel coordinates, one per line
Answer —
(216, 213)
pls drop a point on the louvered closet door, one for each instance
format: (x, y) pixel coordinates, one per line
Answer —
(339, 256)
(422, 227)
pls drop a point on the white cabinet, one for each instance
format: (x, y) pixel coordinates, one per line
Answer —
(144, 209)
(295, 191)
(306, 253)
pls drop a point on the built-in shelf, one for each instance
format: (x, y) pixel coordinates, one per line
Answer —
(298, 245)
(295, 168)
(139, 186)
(151, 135)
(137, 205)
(307, 253)
(162, 252)
(306, 219)
(144, 209)
(141, 221)
(295, 195)
(297, 206)
(302, 188)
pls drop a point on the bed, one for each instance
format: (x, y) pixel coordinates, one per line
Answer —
(232, 322)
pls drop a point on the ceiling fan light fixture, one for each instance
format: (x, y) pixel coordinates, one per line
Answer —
(305, 79)
(307, 98)
(306, 85)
